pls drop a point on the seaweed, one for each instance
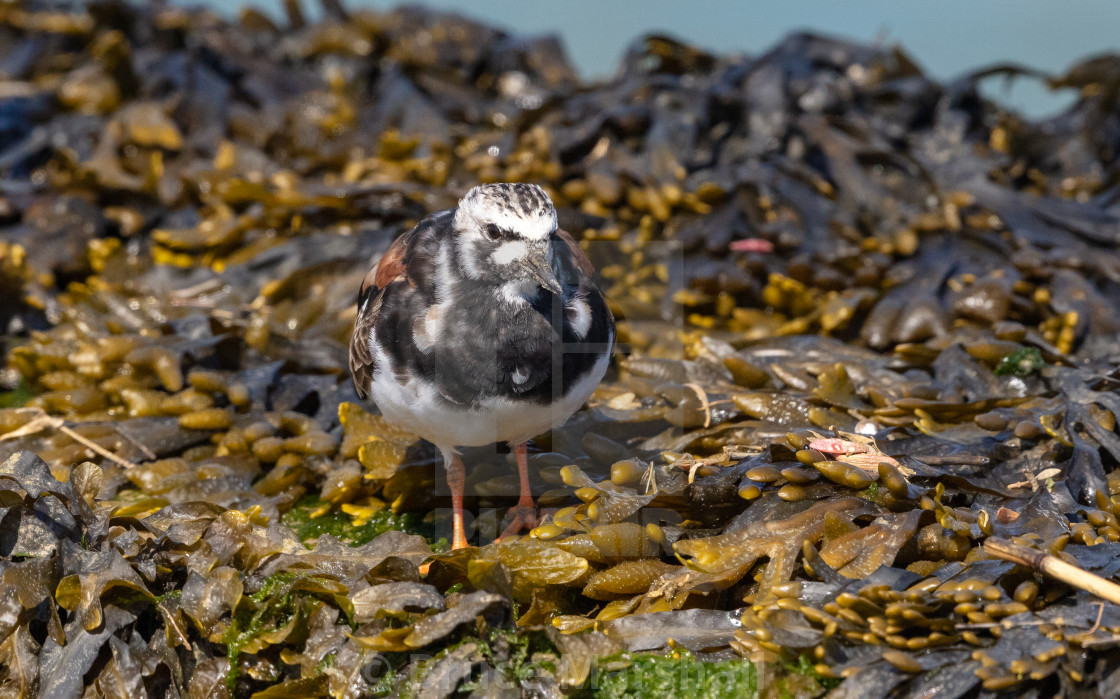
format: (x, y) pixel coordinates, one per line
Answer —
(867, 325)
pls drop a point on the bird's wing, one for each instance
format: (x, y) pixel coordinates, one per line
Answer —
(578, 258)
(579, 273)
(390, 269)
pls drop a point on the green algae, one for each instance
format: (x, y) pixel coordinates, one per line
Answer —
(341, 525)
(676, 675)
(1022, 362)
(17, 397)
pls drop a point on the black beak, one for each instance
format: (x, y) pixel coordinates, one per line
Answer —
(541, 271)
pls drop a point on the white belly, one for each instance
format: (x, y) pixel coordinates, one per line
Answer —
(417, 406)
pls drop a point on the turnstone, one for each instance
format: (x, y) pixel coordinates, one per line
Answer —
(482, 324)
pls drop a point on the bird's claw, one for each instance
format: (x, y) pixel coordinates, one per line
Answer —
(520, 518)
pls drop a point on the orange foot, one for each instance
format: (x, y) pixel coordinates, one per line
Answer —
(521, 517)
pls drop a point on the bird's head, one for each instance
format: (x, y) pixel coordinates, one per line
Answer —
(504, 231)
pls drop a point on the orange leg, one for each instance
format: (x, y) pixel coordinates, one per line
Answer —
(456, 479)
(525, 514)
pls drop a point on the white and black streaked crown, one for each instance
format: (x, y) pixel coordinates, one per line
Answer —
(524, 208)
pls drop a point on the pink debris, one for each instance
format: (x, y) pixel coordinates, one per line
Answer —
(838, 446)
(870, 462)
(752, 245)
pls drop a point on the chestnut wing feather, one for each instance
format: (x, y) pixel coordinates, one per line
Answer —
(390, 269)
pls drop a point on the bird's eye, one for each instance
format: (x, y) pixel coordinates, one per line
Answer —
(492, 232)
